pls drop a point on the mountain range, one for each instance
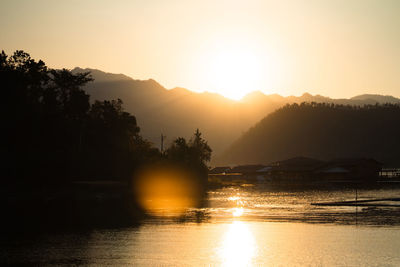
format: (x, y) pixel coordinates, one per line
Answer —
(179, 112)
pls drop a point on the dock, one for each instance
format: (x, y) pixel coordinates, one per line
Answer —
(362, 203)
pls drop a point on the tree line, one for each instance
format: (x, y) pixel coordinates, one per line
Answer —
(54, 134)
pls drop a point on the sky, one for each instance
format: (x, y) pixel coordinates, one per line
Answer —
(338, 48)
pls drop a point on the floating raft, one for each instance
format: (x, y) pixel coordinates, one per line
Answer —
(362, 203)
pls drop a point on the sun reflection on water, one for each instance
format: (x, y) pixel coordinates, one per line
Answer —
(238, 247)
(237, 212)
(234, 198)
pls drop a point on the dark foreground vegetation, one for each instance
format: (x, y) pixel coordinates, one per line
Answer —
(67, 160)
(322, 131)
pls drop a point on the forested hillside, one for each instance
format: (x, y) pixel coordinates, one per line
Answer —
(322, 131)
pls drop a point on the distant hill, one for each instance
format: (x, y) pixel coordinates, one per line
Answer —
(102, 76)
(179, 111)
(377, 98)
(323, 131)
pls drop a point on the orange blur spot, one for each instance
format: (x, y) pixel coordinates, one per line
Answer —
(166, 191)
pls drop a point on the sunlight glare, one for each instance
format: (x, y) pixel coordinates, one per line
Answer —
(233, 198)
(234, 72)
(237, 212)
(238, 246)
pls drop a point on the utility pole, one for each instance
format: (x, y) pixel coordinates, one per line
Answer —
(162, 143)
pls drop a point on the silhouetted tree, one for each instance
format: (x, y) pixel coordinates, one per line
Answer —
(192, 155)
(179, 150)
(53, 134)
(200, 149)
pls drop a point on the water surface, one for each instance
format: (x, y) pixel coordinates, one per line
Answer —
(239, 226)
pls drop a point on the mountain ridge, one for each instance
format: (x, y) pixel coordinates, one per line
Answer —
(179, 112)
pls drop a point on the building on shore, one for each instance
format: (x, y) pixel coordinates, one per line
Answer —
(304, 170)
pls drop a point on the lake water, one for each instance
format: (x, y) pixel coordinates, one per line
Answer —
(240, 226)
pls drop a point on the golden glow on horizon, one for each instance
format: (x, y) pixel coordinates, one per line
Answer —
(332, 48)
(234, 72)
(238, 247)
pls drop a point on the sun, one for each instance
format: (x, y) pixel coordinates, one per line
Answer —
(234, 72)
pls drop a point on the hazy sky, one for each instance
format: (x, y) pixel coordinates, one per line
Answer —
(334, 48)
